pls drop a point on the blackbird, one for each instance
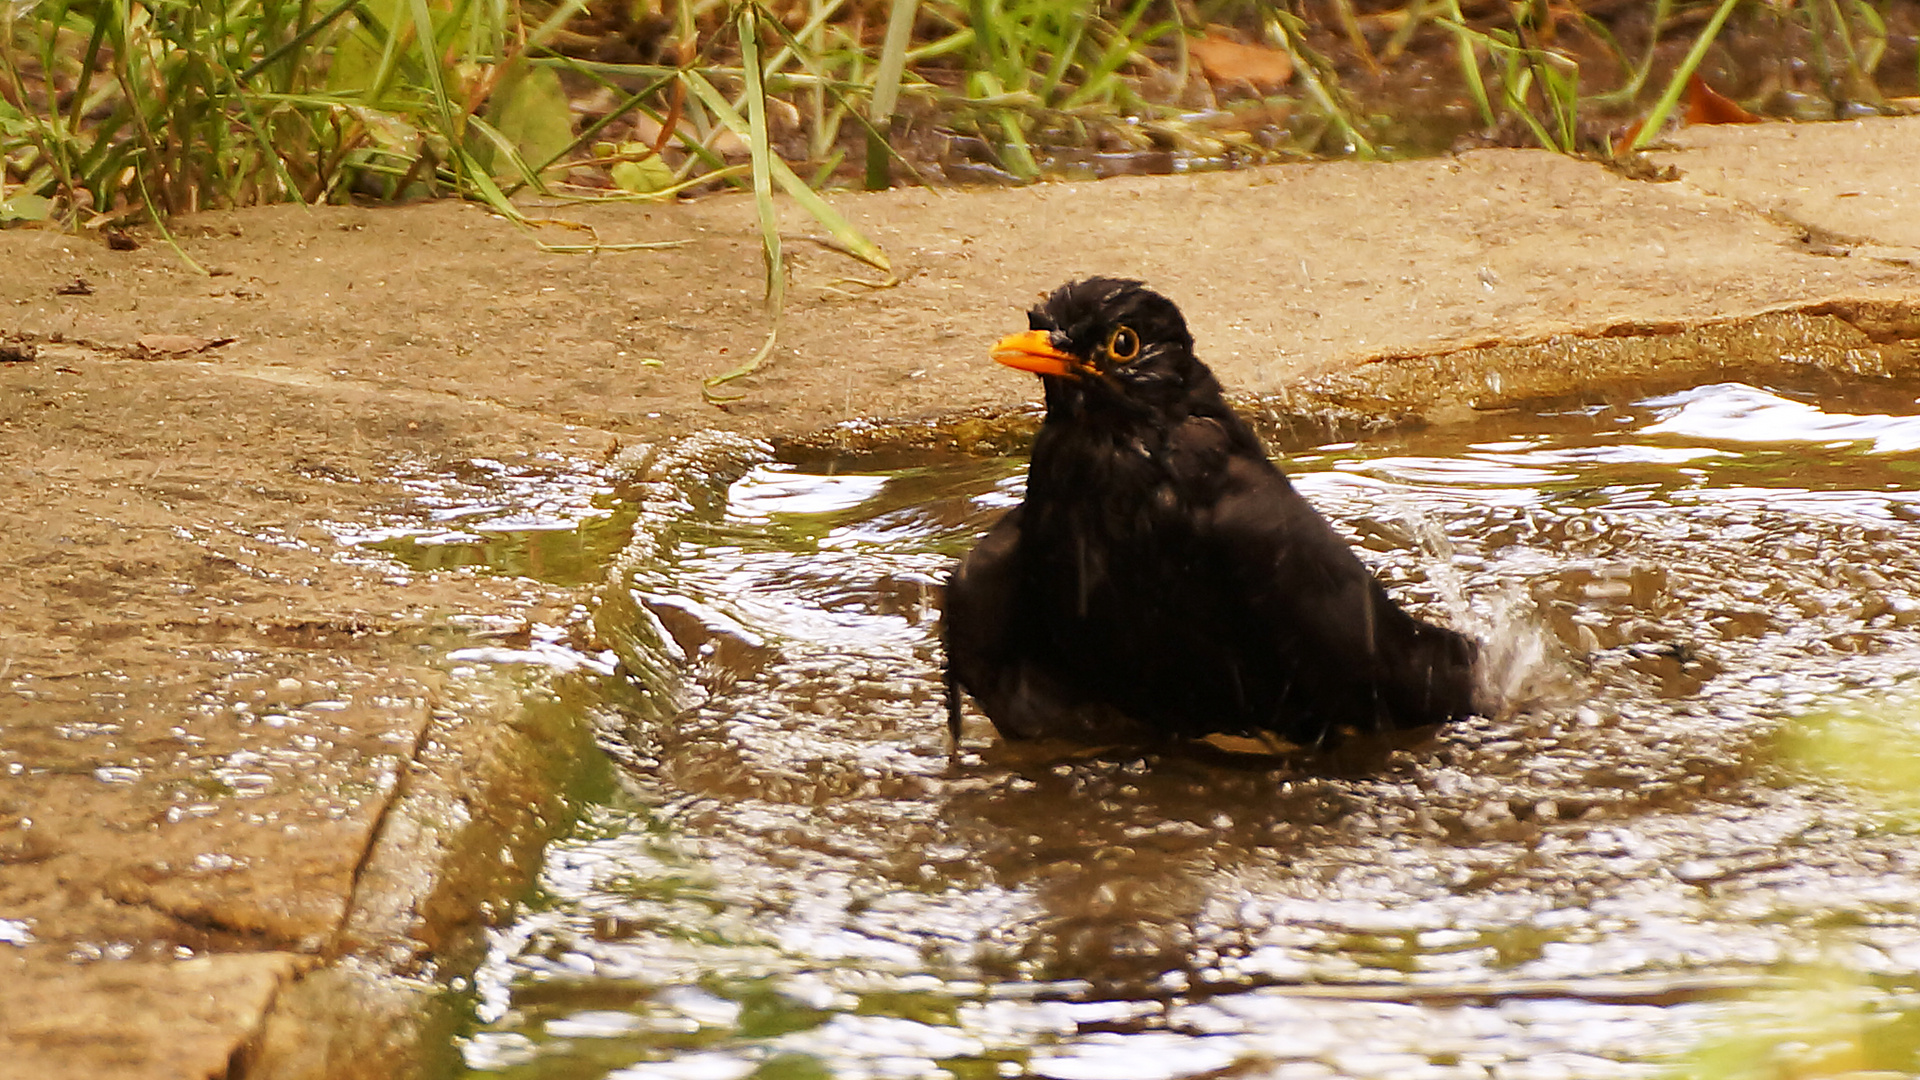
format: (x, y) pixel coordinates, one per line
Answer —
(1162, 579)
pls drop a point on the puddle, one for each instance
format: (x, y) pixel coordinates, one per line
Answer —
(800, 882)
(550, 519)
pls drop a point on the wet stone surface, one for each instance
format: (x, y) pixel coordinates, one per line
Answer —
(801, 881)
(212, 831)
(210, 784)
(212, 692)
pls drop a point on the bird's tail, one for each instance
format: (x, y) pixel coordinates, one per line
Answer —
(1436, 683)
(953, 710)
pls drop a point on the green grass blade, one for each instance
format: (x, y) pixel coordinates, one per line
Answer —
(1637, 77)
(952, 43)
(430, 60)
(505, 150)
(1677, 85)
(391, 37)
(87, 64)
(306, 34)
(626, 105)
(763, 159)
(1097, 81)
(1019, 154)
(1876, 32)
(839, 92)
(1515, 95)
(710, 388)
(161, 224)
(986, 39)
(484, 187)
(42, 132)
(983, 87)
(553, 23)
(762, 156)
(1469, 62)
(1309, 64)
(886, 90)
(790, 39)
(1064, 51)
(264, 139)
(855, 243)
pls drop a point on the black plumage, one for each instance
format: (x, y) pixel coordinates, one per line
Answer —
(1163, 579)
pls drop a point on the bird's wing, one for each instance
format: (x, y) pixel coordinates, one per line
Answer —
(978, 622)
(993, 651)
(1320, 611)
(1296, 573)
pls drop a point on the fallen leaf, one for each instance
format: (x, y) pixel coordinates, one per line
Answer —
(26, 206)
(1618, 142)
(1706, 106)
(643, 176)
(529, 107)
(178, 344)
(1223, 60)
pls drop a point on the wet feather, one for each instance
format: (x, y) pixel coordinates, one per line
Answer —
(1162, 578)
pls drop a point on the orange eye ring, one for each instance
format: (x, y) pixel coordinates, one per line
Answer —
(1124, 345)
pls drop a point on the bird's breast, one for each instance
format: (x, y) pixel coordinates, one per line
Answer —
(1110, 535)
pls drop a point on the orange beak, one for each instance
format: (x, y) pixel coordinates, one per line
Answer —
(1032, 350)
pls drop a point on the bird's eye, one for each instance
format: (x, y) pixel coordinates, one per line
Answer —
(1124, 345)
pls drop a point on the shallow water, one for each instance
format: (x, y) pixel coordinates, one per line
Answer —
(799, 881)
(549, 519)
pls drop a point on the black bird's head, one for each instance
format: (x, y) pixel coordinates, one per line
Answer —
(1106, 342)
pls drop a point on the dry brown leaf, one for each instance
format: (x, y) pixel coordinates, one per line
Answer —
(1707, 106)
(1223, 60)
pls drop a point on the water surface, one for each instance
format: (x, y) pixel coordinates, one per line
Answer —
(801, 881)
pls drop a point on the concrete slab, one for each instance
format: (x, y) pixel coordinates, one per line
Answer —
(241, 767)
(180, 1021)
(1852, 182)
(1283, 272)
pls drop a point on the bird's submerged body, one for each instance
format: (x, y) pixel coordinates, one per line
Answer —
(1162, 579)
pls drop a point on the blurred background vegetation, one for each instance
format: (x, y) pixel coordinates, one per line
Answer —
(1837, 1008)
(121, 111)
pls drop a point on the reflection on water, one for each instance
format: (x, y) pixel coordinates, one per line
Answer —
(1742, 413)
(803, 882)
(550, 519)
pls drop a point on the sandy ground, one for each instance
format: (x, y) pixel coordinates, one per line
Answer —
(247, 795)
